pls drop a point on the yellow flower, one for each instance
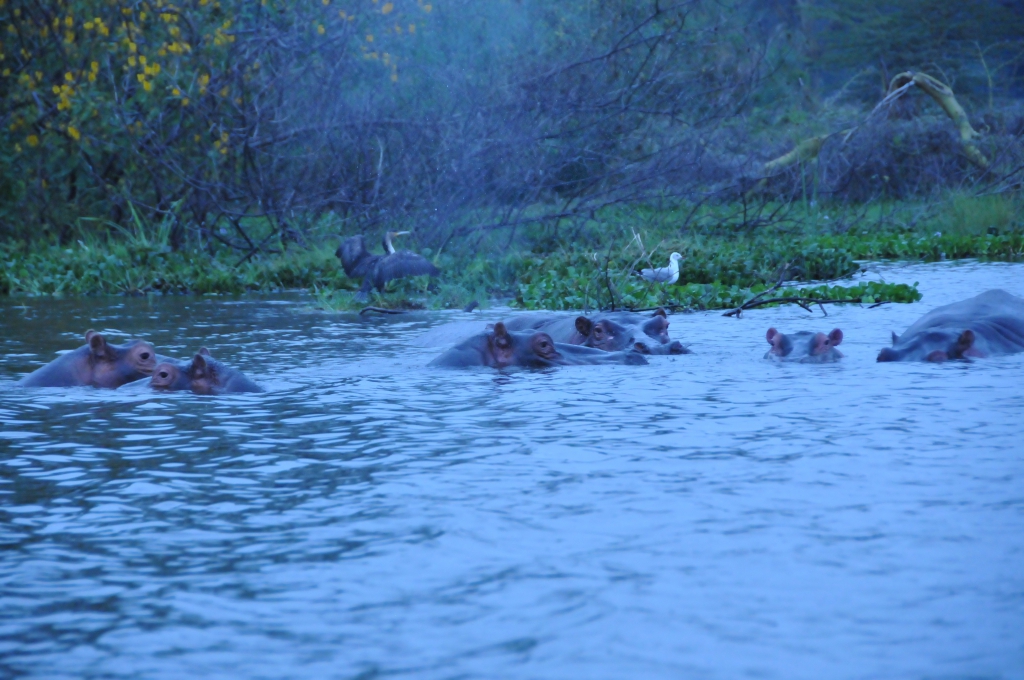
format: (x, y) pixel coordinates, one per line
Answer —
(74, 133)
(369, 37)
(412, 28)
(32, 140)
(94, 66)
(427, 8)
(320, 29)
(176, 92)
(386, 9)
(68, 77)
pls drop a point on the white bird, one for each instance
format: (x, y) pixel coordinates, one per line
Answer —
(669, 274)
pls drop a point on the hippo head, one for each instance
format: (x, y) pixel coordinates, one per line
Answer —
(116, 365)
(804, 346)
(200, 375)
(604, 334)
(934, 346)
(657, 326)
(521, 349)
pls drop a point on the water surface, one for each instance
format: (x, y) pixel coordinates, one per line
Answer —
(708, 516)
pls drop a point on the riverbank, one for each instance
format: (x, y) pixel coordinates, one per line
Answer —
(592, 268)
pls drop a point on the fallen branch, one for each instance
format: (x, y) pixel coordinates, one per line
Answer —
(802, 301)
(380, 310)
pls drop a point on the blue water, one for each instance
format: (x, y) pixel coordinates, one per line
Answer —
(708, 516)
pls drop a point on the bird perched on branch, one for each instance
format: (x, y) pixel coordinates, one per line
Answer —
(377, 270)
(669, 274)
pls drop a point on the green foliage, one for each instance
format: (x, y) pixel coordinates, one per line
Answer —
(132, 268)
(582, 283)
(107, 104)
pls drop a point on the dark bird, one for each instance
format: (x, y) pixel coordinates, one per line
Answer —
(377, 270)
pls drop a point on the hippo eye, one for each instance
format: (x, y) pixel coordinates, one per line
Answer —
(144, 355)
(164, 374)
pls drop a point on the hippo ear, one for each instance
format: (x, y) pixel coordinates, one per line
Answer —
(641, 347)
(964, 342)
(199, 366)
(500, 337)
(205, 352)
(584, 325)
(97, 343)
(660, 311)
(895, 338)
(835, 337)
(770, 335)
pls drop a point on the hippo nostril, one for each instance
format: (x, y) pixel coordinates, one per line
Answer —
(163, 374)
(145, 356)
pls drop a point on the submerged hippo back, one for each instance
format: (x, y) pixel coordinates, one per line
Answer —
(989, 324)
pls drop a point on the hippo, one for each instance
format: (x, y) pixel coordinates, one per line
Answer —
(609, 331)
(202, 375)
(804, 347)
(97, 363)
(501, 348)
(986, 325)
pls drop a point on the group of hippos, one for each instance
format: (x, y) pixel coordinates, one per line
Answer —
(989, 324)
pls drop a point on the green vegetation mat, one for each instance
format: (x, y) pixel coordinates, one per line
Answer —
(718, 271)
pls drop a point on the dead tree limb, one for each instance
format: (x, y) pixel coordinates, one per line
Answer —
(802, 301)
(380, 310)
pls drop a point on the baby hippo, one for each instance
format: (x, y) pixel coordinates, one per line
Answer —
(804, 347)
(96, 363)
(203, 375)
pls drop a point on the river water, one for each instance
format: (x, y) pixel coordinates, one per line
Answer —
(711, 515)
